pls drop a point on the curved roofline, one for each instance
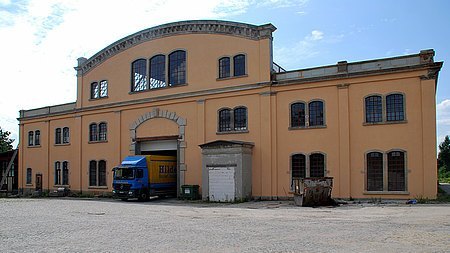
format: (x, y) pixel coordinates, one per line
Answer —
(229, 28)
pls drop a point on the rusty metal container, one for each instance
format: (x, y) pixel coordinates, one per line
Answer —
(313, 191)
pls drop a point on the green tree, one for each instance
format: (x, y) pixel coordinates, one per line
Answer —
(5, 141)
(444, 154)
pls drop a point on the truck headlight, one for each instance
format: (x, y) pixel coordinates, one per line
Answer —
(130, 193)
(114, 191)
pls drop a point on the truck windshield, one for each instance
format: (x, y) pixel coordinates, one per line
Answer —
(123, 173)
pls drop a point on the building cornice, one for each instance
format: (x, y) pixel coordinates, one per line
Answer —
(229, 28)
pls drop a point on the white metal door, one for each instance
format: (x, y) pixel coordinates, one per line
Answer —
(221, 184)
(158, 145)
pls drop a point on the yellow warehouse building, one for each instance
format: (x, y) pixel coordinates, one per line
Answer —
(370, 125)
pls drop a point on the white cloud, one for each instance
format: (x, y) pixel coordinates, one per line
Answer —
(315, 35)
(289, 57)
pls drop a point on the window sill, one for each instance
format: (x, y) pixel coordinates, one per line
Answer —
(34, 146)
(28, 184)
(386, 193)
(62, 144)
(385, 123)
(307, 127)
(95, 99)
(159, 88)
(98, 187)
(230, 77)
(233, 132)
(93, 142)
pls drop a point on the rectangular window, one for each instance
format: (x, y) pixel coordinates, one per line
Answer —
(29, 175)
(103, 88)
(58, 136)
(30, 138)
(66, 135)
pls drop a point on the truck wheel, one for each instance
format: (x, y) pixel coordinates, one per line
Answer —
(143, 196)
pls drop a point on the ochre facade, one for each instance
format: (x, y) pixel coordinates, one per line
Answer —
(188, 114)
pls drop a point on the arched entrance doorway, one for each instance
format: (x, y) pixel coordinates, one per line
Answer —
(161, 132)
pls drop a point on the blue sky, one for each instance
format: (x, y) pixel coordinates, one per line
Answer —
(41, 40)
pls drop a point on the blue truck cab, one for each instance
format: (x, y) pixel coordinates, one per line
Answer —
(144, 176)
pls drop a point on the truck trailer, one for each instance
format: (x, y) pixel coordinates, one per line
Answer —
(144, 176)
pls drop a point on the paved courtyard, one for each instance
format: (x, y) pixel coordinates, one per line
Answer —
(73, 225)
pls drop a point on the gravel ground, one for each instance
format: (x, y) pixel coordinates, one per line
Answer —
(73, 225)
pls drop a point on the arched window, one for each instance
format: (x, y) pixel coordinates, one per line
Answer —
(298, 166)
(317, 165)
(240, 118)
(396, 171)
(65, 173)
(66, 135)
(30, 138)
(224, 120)
(29, 175)
(102, 132)
(298, 115)
(95, 90)
(158, 71)
(102, 173)
(93, 132)
(57, 173)
(37, 138)
(394, 107)
(224, 67)
(374, 171)
(58, 136)
(139, 75)
(93, 173)
(103, 88)
(239, 65)
(374, 109)
(315, 109)
(177, 68)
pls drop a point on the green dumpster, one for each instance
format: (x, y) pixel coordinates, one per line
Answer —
(190, 192)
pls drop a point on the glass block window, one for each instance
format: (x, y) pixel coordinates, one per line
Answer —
(158, 72)
(139, 75)
(177, 68)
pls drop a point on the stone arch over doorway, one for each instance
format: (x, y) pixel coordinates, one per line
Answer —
(180, 121)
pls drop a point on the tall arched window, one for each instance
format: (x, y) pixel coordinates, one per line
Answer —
(65, 173)
(58, 136)
(102, 173)
(298, 115)
(394, 107)
(93, 173)
(298, 166)
(30, 138)
(240, 118)
(95, 90)
(93, 132)
(224, 120)
(37, 138)
(374, 171)
(396, 171)
(239, 65)
(29, 175)
(103, 89)
(102, 131)
(315, 110)
(66, 135)
(317, 165)
(139, 75)
(374, 109)
(158, 71)
(177, 68)
(224, 67)
(57, 173)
